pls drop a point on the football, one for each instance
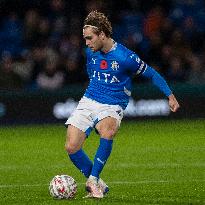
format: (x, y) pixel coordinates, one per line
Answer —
(63, 187)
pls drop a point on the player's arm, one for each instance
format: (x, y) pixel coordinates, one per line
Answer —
(139, 68)
(160, 82)
(88, 59)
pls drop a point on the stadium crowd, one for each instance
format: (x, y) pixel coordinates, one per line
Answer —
(41, 44)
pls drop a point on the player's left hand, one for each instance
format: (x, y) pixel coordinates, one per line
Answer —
(173, 104)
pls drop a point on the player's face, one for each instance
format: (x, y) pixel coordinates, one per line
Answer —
(92, 40)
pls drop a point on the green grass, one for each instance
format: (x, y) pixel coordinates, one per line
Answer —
(153, 162)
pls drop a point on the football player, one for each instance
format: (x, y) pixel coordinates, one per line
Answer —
(110, 67)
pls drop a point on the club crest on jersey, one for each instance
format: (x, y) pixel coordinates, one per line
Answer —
(103, 64)
(115, 65)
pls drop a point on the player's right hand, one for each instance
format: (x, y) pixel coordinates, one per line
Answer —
(173, 103)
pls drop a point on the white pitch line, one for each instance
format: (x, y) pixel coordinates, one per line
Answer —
(114, 182)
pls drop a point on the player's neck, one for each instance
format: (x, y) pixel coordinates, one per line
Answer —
(108, 45)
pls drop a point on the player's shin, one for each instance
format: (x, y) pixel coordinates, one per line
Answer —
(82, 162)
(101, 156)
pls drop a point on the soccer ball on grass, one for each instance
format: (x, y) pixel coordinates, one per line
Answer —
(63, 187)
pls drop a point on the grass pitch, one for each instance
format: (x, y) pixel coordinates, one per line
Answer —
(153, 162)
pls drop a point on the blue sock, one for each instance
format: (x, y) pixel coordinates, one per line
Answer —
(82, 162)
(101, 156)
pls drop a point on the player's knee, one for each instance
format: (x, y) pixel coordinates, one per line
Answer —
(107, 128)
(71, 148)
(107, 133)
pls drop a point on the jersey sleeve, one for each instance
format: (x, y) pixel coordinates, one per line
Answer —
(135, 65)
(139, 67)
(88, 59)
(88, 54)
(157, 80)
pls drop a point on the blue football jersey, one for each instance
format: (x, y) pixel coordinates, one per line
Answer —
(110, 74)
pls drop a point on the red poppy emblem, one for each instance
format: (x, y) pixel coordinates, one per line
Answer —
(103, 64)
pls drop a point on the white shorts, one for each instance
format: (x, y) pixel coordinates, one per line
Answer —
(89, 112)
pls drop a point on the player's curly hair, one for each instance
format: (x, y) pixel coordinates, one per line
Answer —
(99, 22)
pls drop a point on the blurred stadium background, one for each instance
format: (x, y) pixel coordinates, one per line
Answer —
(42, 65)
(43, 75)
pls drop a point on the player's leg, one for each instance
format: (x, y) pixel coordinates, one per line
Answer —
(107, 128)
(80, 125)
(74, 142)
(109, 118)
